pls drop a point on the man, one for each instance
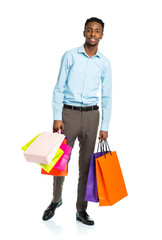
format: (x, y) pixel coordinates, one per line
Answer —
(81, 72)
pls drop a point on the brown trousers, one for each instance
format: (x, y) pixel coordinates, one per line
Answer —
(84, 126)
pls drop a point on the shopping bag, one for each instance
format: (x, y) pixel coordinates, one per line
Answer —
(63, 159)
(110, 182)
(56, 172)
(43, 148)
(29, 143)
(65, 141)
(56, 158)
(91, 188)
(62, 162)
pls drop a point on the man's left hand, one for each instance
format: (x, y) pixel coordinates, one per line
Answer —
(103, 135)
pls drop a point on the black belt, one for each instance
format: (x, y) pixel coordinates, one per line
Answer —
(89, 108)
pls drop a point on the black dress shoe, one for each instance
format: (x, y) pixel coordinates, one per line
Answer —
(84, 218)
(50, 211)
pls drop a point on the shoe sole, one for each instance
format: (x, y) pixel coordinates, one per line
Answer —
(53, 213)
(79, 219)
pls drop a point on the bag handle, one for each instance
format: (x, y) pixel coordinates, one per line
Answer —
(104, 147)
(104, 144)
(100, 144)
(66, 137)
(107, 146)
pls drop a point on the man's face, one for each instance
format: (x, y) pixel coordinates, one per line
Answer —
(93, 33)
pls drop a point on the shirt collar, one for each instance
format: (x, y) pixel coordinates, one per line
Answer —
(82, 50)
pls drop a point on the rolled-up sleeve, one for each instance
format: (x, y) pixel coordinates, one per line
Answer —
(106, 97)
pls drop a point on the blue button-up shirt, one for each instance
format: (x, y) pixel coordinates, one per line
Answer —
(78, 83)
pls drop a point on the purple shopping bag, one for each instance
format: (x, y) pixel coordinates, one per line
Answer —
(91, 189)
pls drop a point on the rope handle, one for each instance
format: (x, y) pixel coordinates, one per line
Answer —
(104, 146)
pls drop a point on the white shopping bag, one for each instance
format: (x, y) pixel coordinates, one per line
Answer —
(44, 147)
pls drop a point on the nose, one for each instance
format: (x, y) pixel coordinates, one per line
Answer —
(92, 33)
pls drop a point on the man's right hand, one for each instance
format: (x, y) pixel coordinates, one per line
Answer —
(57, 125)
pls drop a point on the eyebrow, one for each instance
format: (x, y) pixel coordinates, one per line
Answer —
(95, 28)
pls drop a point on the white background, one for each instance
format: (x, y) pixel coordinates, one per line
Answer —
(33, 37)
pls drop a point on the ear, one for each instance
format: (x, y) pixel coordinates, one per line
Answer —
(84, 33)
(101, 36)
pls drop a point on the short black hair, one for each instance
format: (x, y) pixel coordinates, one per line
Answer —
(94, 19)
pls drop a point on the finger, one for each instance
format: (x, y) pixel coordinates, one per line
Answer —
(56, 129)
(101, 137)
(104, 138)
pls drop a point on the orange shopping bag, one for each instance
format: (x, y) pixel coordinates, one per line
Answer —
(110, 182)
(56, 172)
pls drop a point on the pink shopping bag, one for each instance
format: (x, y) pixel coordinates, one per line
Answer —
(62, 162)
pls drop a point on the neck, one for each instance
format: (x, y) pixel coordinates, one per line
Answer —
(90, 50)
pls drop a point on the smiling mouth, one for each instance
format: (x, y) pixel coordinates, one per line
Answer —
(92, 39)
